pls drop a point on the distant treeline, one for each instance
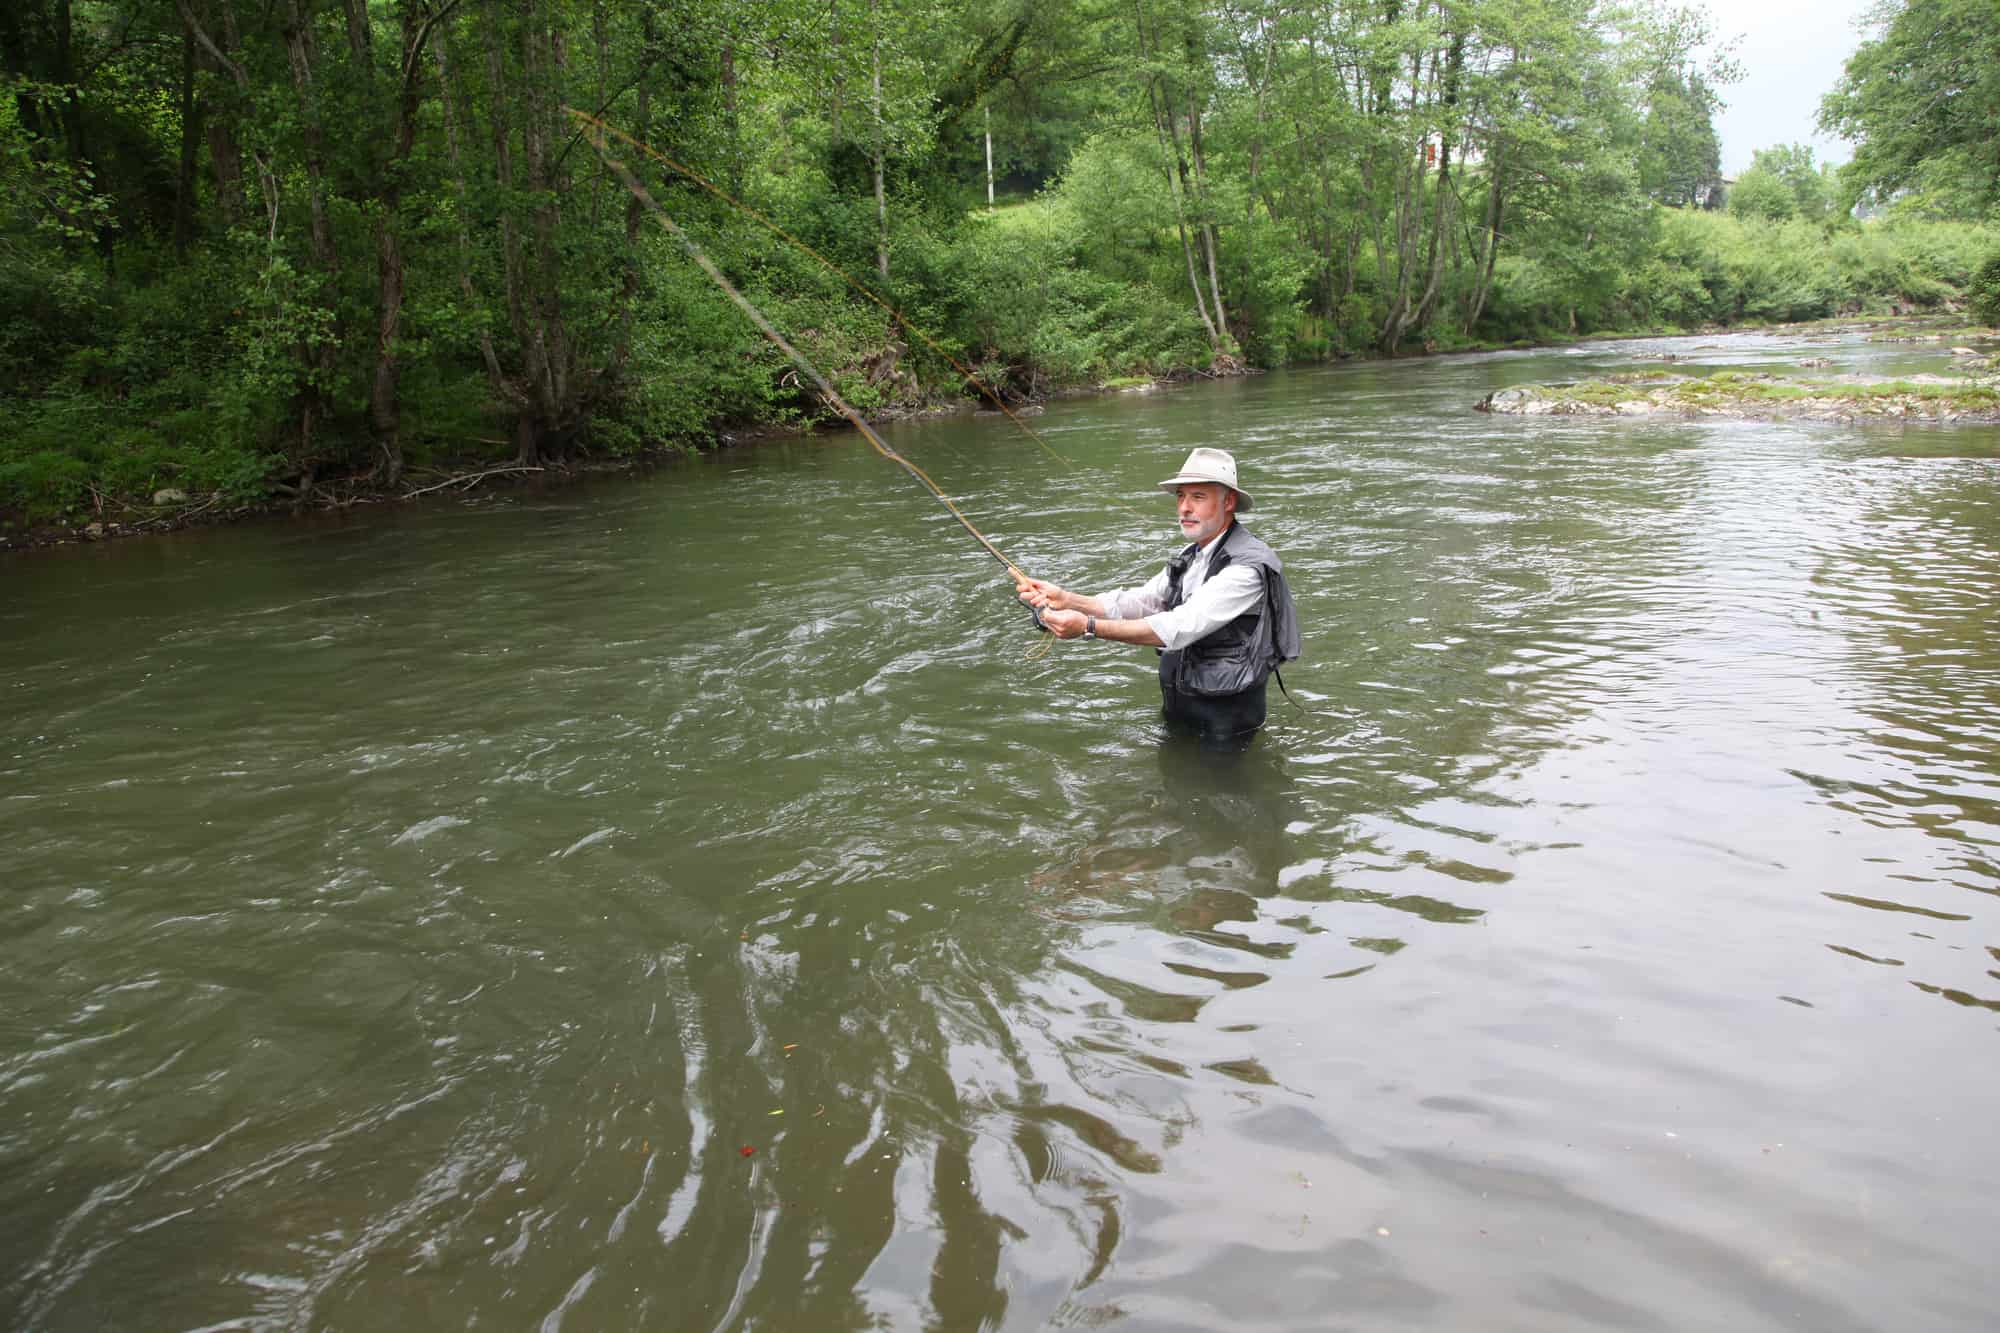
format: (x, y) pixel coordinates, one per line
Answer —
(253, 251)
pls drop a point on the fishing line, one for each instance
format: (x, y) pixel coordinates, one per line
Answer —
(603, 128)
(778, 340)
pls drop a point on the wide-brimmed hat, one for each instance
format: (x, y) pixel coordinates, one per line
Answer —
(1212, 467)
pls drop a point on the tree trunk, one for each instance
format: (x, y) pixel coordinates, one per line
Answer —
(1257, 136)
(1181, 225)
(74, 142)
(385, 411)
(1412, 176)
(635, 217)
(1495, 209)
(299, 52)
(839, 64)
(503, 170)
(600, 31)
(267, 180)
(318, 355)
(1441, 211)
(447, 96)
(546, 352)
(730, 118)
(1207, 222)
(225, 154)
(881, 198)
(184, 179)
(1157, 98)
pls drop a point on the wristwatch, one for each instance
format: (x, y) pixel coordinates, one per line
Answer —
(1090, 627)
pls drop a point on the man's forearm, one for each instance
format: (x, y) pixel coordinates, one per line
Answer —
(1128, 631)
(1090, 606)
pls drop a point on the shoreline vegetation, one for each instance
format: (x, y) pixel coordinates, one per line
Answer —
(259, 258)
(111, 516)
(1973, 396)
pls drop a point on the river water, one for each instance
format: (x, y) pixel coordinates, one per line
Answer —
(699, 901)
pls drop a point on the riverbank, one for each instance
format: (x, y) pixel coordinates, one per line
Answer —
(112, 517)
(1647, 391)
(117, 517)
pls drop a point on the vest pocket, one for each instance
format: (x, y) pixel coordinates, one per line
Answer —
(1231, 671)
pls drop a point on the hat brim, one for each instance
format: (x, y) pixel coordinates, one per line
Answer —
(1187, 479)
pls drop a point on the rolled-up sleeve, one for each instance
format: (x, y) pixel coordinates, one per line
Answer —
(1208, 608)
(1136, 603)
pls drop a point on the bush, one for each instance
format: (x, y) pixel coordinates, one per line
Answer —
(1985, 291)
(1879, 271)
(1268, 276)
(1786, 274)
(1711, 268)
(1668, 293)
(1016, 293)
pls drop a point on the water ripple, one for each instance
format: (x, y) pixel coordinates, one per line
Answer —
(701, 901)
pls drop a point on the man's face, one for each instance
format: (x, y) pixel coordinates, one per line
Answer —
(1204, 511)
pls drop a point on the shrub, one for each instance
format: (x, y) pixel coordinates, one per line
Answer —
(1985, 291)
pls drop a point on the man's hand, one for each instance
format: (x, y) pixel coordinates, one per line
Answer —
(1065, 624)
(1065, 613)
(1044, 596)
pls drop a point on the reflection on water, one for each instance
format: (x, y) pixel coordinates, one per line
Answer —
(698, 902)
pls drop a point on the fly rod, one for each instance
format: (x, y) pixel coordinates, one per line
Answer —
(798, 358)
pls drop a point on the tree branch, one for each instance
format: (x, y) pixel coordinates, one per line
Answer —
(208, 44)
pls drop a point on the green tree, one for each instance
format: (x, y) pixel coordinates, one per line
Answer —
(1761, 194)
(1793, 167)
(1558, 174)
(1680, 154)
(1783, 183)
(1921, 103)
(1680, 163)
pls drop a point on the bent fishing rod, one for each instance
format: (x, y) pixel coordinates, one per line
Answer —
(797, 358)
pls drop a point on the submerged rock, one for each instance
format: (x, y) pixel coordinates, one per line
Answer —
(1522, 402)
(1539, 402)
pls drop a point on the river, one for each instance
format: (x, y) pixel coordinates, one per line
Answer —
(700, 901)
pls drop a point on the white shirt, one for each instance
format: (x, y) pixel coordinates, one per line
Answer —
(1206, 606)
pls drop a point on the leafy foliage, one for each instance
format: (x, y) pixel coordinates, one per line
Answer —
(1921, 100)
(1782, 183)
(246, 251)
(1986, 291)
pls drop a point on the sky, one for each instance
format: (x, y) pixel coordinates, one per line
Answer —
(1791, 52)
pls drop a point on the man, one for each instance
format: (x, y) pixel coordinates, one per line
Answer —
(1220, 612)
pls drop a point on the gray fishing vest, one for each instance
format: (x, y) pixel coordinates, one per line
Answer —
(1243, 653)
